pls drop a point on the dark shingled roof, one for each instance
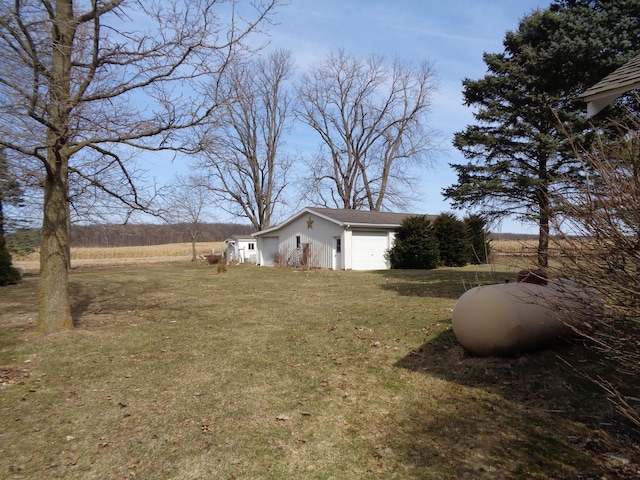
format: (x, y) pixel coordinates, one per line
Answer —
(362, 217)
(352, 218)
(241, 237)
(621, 80)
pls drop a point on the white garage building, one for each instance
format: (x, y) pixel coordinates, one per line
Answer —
(336, 239)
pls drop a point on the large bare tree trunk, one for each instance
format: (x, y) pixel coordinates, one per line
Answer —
(74, 75)
(54, 309)
(543, 241)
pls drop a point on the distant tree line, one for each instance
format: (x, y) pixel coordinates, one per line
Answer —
(28, 240)
(151, 234)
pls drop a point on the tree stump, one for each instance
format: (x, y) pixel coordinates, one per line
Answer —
(536, 276)
(213, 259)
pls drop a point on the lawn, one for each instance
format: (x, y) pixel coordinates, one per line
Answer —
(176, 371)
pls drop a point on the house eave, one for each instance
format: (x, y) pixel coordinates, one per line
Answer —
(351, 225)
(338, 220)
(301, 213)
(596, 102)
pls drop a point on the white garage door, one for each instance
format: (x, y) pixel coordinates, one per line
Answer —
(368, 249)
(269, 250)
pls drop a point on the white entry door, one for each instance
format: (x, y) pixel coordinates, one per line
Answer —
(337, 253)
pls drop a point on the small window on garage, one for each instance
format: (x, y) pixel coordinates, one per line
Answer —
(338, 245)
(252, 246)
(297, 241)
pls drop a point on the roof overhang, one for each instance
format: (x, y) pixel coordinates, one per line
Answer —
(344, 224)
(597, 102)
(372, 225)
(238, 238)
(624, 79)
(306, 211)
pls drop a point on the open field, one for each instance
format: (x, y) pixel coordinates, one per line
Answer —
(125, 255)
(180, 251)
(513, 247)
(175, 371)
(523, 248)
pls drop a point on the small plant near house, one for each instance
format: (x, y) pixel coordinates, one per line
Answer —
(222, 264)
(280, 258)
(601, 253)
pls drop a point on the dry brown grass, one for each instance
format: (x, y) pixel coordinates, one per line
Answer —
(526, 248)
(177, 372)
(512, 247)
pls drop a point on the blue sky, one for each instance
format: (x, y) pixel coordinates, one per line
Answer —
(452, 35)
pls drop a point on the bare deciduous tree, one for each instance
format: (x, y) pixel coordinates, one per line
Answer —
(248, 170)
(186, 203)
(599, 237)
(82, 83)
(371, 116)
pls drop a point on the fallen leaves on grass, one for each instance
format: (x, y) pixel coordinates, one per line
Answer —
(11, 375)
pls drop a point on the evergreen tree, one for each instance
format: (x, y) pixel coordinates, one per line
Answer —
(9, 193)
(518, 151)
(453, 243)
(415, 245)
(478, 238)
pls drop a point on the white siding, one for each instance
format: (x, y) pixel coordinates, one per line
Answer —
(361, 249)
(311, 229)
(240, 251)
(245, 253)
(318, 234)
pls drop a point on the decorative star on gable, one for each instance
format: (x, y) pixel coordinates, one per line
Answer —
(309, 223)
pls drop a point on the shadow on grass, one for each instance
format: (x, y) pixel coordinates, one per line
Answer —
(79, 306)
(441, 282)
(538, 379)
(526, 416)
(18, 313)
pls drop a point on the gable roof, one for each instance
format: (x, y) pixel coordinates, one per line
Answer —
(361, 217)
(350, 218)
(239, 238)
(621, 80)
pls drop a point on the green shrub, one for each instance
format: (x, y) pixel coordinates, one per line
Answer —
(453, 242)
(8, 274)
(415, 245)
(23, 241)
(478, 237)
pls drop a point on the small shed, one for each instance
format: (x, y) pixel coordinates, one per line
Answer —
(241, 249)
(334, 239)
